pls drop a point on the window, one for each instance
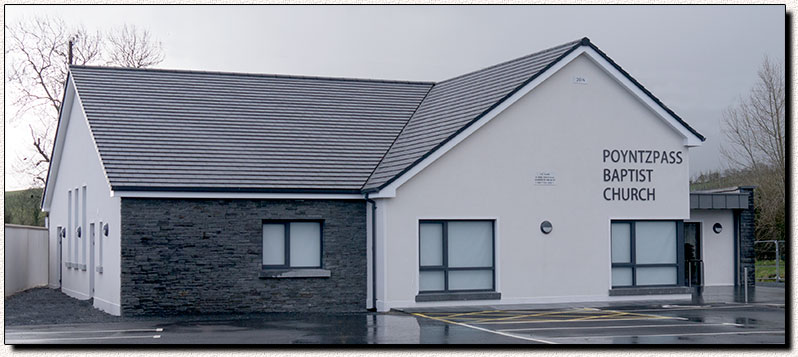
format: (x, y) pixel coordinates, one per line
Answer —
(69, 230)
(85, 234)
(78, 240)
(295, 244)
(59, 231)
(644, 253)
(100, 250)
(456, 256)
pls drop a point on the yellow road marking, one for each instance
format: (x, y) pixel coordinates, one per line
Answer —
(527, 338)
(475, 318)
(531, 316)
(572, 320)
(595, 317)
(647, 315)
(545, 313)
(470, 313)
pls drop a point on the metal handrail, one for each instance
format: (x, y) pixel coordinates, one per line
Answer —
(690, 262)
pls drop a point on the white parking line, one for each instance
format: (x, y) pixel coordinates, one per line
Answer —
(80, 331)
(690, 308)
(611, 327)
(675, 334)
(506, 334)
(45, 340)
(488, 330)
(583, 321)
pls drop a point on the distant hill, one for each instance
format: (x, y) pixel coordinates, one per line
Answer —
(728, 178)
(769, 196)
(24, 207)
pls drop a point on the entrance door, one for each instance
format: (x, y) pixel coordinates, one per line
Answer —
(693, 264)
(92, 234)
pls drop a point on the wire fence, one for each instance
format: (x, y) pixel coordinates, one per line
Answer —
(770, 260)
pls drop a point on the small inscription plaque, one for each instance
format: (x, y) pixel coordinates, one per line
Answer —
(545, 178)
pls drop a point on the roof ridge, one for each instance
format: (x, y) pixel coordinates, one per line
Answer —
(643, 88)
(572, 43)
(262, 75)
(397, 137)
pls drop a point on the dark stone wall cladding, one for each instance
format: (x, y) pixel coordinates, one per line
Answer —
(747, 239)
(183, 256)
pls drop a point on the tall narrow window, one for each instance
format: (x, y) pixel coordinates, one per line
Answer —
(78, 239)
(69, 231)
(292, 244)
(60, 230)
(86, 244)
(644, 253)
(456, 256)
(100, 238)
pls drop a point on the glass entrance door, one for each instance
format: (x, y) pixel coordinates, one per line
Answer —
(693, 263)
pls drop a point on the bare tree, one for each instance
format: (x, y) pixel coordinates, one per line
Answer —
(755, 129)
(37, 56)
(133, 47)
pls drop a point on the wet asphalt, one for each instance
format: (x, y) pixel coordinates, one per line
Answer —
(719, 319)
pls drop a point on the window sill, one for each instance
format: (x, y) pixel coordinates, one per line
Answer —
(293, 273)
(459, 296)
(657, 290)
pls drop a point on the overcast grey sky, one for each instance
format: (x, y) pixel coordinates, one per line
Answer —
(696, 59)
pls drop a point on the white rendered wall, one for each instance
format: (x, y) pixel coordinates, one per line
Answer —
(80, 166)
(560, 127)
(26, 249)
(717, 250)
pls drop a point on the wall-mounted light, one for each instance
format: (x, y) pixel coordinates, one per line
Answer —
(717, 228)
(545, 227)
(105, 229)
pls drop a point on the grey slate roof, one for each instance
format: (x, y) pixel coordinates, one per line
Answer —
(453, 104)
(180, 130)
(210, 131)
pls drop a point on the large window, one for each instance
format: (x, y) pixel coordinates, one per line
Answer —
(645, 253)
(291, 244)
(456, 256)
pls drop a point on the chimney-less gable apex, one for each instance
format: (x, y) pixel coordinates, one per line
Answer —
(210, 132)
(447, 115)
